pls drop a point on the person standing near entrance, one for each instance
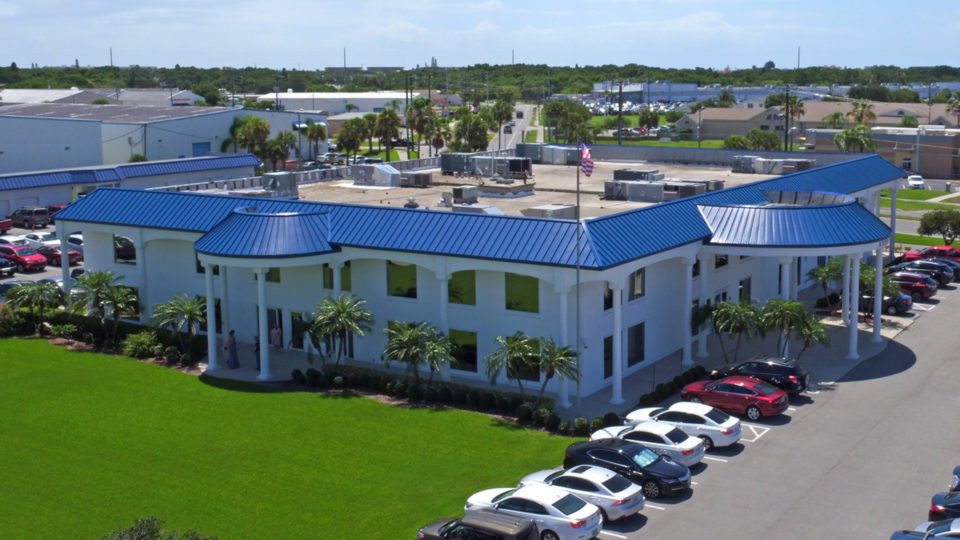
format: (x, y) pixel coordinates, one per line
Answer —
(231, 347)
(276, 339)
(256, 349)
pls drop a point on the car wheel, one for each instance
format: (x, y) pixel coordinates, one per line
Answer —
(753, 413)
(549, 535)
(707, 442)
(651, 489)
(891, 309)
(695, 400)
(603, 514)
(917, 296)
(20, 268)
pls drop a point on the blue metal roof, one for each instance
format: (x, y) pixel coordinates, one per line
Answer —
(116, 173)
(253, 234)
(605, 242)
(793, 226)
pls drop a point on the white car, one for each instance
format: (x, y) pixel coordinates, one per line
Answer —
(616, 496)
(39, 239)
(915, 181)
(75, 241)
(661, 437)
(714, 427)
(12, 240)
(559, 515)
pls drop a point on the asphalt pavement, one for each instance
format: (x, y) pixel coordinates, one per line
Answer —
(50, 271)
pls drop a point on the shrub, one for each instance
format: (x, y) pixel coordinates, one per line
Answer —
(364, 380)
(552, 421)
(139, 345)
(689, 376)
(679, 381)
(186, 359)
(108, 344)
(596, 424)
(89, 338)
(488, 401)
(662, 390)
(671, 387)
(564, 427)
(611, 419)
(429, 394)
(313, 377)
(415, 392)
(474, 398)
(399, 389)
(548, 403)
(460, 396)
(13, 323)
(581, 427)
(385, 385)
(445, 395)
(171, 354)
(503, 405)
(157, 351)
(298, 376)
(67, 331)
(540, 416)
(524, 413)
(700, 371)
(514, 403)
(647, 400)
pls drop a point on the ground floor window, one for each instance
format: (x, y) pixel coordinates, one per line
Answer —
(746, 293)
(462, 288)
(694, 328)
(463, 345)
(719, 261)
(131, 311)
(123, 250)
(608, 357)
(635, 344)
(720, 297)
(299, 330)
(216, 311)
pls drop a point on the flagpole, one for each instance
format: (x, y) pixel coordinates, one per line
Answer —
(579, 341)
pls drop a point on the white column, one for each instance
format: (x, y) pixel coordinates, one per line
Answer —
(64, 261)
(335, 268)
(564, 341)
(786, 263)
(143, 290)
(617, 397)
(265, 375)
(845, 292)
(687, 359)
(876, 204)
(793, 278)
(877, 294)
(213, 362)
(702, 336)
(224, 301)
(854, 261)
(893, 221)
(444, 324)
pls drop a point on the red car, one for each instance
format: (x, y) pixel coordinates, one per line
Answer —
(52, 254)
(740, 395)
(24, 257)
(943, 252)
(918, 286)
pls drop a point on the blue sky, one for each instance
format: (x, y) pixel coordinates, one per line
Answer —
(312, 34)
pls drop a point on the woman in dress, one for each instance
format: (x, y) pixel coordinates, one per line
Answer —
(231, 347)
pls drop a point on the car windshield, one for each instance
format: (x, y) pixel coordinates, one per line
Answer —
(676, 436)
(569, 504)
(504, 495)
(448, 527)
(553, 476)
(718, 416)
(617, 483)
(47, 237)
(765, 388)
(938, 527)
(644, 457)
(25, 252)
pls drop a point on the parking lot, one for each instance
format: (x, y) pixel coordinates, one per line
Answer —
(49, 272)
(858, 457)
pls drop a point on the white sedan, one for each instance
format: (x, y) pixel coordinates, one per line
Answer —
(40, 239)
(616, 496)
(714, 427)
(662, 438)
(559, 515)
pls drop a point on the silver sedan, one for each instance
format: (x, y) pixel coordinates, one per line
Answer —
(616, 496)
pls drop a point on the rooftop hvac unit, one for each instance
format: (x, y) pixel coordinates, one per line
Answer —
(465, 194)
(552, 211)
(615, 190)
(642, 191)
(637, 174)
(483, 165)
(532, 151)
(519, 164)
(451, 162)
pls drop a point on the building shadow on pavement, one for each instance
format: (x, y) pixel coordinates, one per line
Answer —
(896, 358)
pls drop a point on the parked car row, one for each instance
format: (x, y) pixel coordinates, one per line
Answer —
(34, 251)
(944, 515)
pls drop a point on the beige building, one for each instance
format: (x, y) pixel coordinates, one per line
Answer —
(931, 151)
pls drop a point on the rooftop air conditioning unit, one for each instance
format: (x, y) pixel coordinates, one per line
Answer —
(465, 194)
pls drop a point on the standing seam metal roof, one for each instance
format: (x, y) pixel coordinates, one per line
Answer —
(252, 234)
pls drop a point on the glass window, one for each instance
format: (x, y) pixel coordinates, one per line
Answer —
(567, 505)
(745, 257)
(133, 310)
(720, 261)
(462, 288)
(463, 346)
(522, 293)
(607, 296)
(273, 275)
(637, 284)
(300, 327)
(617, 483)
(745, 290)
(216, 312)
(123, 250)
(344, 276)
(608, 357)
(696, 268)
(694, 306)
(635, 344)
(216, 267)
(401, 279)
(531, 370)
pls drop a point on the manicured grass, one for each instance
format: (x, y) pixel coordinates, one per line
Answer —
(914, 194)
(530, 136)
(915, 240)
(917, 205)
(955, 199)
(629, 120)
(394, 156)
(707, 143)
(91, 442)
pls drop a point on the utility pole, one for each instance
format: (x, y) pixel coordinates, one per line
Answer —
(786, 117)
(488, 86)
(620, 116)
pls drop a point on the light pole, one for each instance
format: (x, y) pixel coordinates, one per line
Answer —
(699, 124)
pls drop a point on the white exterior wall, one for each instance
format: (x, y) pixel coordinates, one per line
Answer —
(29, 144)
(169, 139)
(146, 182)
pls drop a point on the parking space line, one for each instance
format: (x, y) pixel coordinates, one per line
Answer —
(615, 535)
(758, 431)
(695, 483)
(721, 460)
(655, 507)
(791, 408)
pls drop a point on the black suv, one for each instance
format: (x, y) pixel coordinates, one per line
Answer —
(480, 525)
(28, 217)
(658, 475)
(784, 373)
(940, 272)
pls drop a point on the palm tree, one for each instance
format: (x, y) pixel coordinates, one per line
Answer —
(416, 344)
(556, 360)
(438, 132)
(351, 135)
(813, 332)
(827, 274)
(418, 114)
(350, 107)
(289, 142)
(369, 129)
(785, 316)
(953, 107)
(835, 120)
(502, 112)
(516, 353)
(388, 129)
(236, 135)
(254, 133)
(336, 318)
(315, 133)
(180, 311)
(276, 151)
(91, 292)
(857, 139)
(120, 299)
(862, 112)
(737, 319)
(38, 297)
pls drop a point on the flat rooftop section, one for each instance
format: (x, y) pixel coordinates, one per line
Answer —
(121, 114)
(554, 185)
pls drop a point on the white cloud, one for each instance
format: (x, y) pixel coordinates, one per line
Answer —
(9, 9)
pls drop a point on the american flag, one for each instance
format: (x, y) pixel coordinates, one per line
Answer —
(586, 161)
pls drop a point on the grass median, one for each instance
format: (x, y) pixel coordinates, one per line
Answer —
(93, 441)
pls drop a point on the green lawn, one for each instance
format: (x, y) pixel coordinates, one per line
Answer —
(917, 205)
(394, 156)
(915, 240)
(707, 143)
(914, 194)
(91, 442)
(530, 136)
(955, 199)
